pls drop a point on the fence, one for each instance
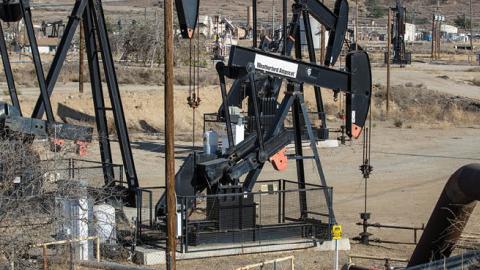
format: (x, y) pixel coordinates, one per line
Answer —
(45, 246)
(216, 122)
(276, 212)
(146, 200)
(87, 170)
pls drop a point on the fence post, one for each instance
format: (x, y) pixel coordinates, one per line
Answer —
(45, 259)
(70, 249)
(98, 248)
(12, 263)
(151, 207)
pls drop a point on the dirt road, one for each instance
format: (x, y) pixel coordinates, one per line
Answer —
(450, 79)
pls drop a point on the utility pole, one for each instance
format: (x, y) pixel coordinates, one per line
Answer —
(471, 32)
(356, 24)
(389, 42)
(322, 42)
(169, 139)
(80, 58)
(433, 38)
(439, 38)
(273, 18)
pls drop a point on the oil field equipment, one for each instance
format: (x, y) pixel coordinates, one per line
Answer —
(99, 55)
(398, 30)
(222, 185)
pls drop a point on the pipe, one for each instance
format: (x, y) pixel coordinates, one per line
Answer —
(109, 266)
(355, 267)
(449, 216)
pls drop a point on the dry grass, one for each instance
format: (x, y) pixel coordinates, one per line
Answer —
(25, 75)
(476, 82)
(417, 104)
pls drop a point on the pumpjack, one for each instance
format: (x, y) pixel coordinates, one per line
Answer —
(258, 76)
(400, 55)
(12, 121)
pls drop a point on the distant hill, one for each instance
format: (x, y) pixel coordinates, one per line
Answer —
(236, 10)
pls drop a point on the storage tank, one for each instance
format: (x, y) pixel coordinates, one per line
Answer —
(104, 217)
(210, 142)
(74, 216)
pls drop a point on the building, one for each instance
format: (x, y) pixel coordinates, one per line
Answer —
(45, 45)
(449, 32)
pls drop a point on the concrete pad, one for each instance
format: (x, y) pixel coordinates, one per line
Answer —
(343, 244)
(151, 256)
(327, 144)
(148, 256)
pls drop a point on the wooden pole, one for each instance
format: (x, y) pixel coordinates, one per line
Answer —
(80, 59)
(439, 38)
(45, 258)
(389, 43)
(356, 24)
(432, 56)
(98, 249)
(471, 32)
(170, 139)
(322, 43)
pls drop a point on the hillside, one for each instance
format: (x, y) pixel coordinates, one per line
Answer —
(420, 10)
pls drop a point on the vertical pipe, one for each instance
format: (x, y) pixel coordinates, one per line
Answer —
(254, 40)
(170, 137)
(389, 41)
(284, 29)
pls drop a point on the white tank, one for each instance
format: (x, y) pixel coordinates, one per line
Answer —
(210, 142)
(239, 131)
(104, 215)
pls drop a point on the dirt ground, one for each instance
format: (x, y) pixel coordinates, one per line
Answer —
(411, 167)
(411, 164)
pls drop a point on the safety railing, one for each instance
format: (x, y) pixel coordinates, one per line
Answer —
(276, 212)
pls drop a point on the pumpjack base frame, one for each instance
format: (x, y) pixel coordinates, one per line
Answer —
(231, 218)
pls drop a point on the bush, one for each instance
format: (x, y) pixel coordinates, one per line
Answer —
(374, 9)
